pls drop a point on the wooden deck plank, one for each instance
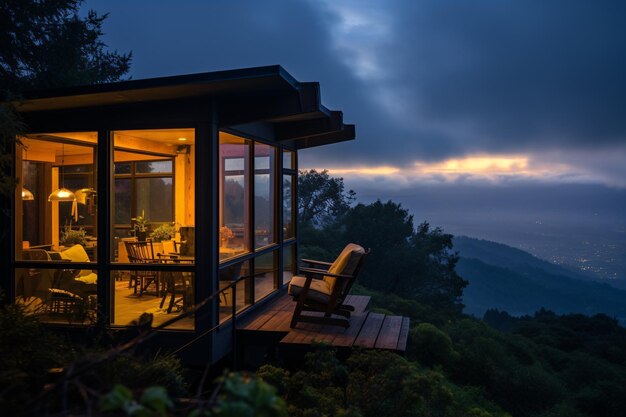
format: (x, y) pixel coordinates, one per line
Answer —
(260, 317)
(369, 332)
(359, 302)
(349, 335)
(389, 333)
(255, 322)
(278, 323)
(302, 334)
(285, 302)
(329, 333)
(404, 334)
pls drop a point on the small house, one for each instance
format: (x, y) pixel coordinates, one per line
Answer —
(156, 195)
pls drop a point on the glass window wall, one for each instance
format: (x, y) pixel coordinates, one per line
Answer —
(153, 214)
(55, 222)
(264, 196)
(234, 198)
(265, 274)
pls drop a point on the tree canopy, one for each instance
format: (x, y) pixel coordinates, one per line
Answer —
(416, 263)
(322, 198)
(47, 43)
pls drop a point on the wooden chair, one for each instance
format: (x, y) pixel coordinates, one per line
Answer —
(141, 252)
(324, 288)
(177, 284)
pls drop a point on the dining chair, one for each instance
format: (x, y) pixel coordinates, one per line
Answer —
(177, 283)
(142, 252)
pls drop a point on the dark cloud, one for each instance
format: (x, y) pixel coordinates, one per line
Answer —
(452, 78)
(508, 75)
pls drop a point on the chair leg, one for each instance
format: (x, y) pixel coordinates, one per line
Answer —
(172, 298)
(297, 313)
(163, 299)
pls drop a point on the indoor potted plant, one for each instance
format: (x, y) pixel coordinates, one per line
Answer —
(70, 237)
(161, 235)
(141, 226)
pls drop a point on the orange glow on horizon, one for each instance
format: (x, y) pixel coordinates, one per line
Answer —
(381, 170)
(489, 165)
(491, 168)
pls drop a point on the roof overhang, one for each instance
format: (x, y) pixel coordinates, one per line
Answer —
(243, 96)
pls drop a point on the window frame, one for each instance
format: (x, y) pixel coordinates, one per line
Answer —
(133, 176)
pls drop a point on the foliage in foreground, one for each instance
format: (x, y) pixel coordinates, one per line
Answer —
(371, 384)
(43, 373)
(533, 366)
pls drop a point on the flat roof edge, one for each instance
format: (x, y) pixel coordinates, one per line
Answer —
(155, 82)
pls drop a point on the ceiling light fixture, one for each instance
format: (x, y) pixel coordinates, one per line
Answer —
(62, 194)
(27, 195)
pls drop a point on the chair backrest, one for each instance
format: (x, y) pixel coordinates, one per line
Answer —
(35, 255)
(349, 262)
(187, 241)
(140, 252)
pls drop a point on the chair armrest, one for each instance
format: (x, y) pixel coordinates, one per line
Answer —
(313, 262)
(315, 271)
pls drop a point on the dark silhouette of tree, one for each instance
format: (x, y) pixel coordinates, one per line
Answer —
(415, 263)
(45, 43)
(321, 198)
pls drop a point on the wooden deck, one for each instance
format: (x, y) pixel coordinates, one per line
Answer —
(368, 330)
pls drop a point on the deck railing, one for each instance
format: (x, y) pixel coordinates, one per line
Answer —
(233, 319)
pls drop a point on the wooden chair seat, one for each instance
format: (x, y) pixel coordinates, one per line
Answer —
(319, 290)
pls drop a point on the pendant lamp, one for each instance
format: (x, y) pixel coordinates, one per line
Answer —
(27, 195)
(62, 194)
(84, 195)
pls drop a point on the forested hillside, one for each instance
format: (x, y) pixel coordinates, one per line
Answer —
(542, 364)
(509, 279)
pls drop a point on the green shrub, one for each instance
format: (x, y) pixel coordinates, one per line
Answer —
(430, 346)
(27, 352)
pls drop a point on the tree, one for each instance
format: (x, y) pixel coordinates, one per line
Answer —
(322, 198)
(46, 43)
(416, 264)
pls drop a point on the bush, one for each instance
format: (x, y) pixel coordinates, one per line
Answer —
(27, 352)
(430, 346)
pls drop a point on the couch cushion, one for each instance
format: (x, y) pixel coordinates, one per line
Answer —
(345, 264)
(77, 254)
(318, 291)
(90, 278)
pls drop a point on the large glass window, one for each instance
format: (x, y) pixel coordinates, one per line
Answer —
(233, 289)
(234, 199)
(265, 274)
(163, 294)
(64, 296)
(264, 156)
(153, 214)
(289, 263)
(288, 206)
(55, 222)
(141, 191)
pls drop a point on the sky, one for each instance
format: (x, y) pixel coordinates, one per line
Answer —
(463, 102)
